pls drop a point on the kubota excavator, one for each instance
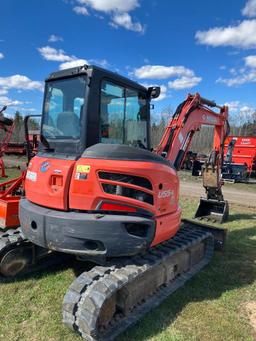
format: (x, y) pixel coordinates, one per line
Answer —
(96, 191)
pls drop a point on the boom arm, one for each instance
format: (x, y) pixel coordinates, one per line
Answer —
(188, 118)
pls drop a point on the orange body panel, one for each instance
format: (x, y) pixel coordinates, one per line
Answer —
(9, 208)
(167, 226)
(9, 203)
(244, 150)
(87, 193)
(77, 186)
(47, 182)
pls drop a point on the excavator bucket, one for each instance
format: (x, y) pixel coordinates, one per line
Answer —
(214, 210)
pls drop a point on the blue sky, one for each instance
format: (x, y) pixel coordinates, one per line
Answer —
(185, 46)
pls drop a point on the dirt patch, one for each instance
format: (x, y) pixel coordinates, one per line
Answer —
(235, 196)
(249, 309)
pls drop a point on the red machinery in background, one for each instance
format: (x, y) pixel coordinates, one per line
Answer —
(7, 126)
(11, 190)
(239, 157)
(19, 148)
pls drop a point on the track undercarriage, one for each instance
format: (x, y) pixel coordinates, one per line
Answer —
(103, 302)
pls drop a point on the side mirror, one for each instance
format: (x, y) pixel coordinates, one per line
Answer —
(3, 109)
(154, 91)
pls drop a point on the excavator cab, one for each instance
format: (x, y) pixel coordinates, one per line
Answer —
(88, 105)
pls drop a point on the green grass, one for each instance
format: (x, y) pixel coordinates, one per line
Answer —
(211, 306)
(12, 173)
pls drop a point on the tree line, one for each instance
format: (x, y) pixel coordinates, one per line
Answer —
(241, 124)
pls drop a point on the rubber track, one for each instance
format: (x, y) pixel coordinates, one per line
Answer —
(13, 238)
(86, 295)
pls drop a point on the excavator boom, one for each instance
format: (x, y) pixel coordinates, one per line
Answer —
(190, 115)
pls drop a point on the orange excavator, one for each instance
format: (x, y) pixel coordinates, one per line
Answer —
(96, 191)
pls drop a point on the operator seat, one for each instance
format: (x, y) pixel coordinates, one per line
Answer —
(68, 123)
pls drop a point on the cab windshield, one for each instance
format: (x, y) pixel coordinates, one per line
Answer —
(63, 107)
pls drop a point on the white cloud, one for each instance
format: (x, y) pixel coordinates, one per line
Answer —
(161, 72)
(186, 77)
(125, 20)
(100, 62)
(111, 5)
(248, 77)
(250, 61)
(50, 53)
(117, 9)
(184, 82)
(4, 100)
(242, 35)
(1, 55)
(54, 38)
(80, 10)
(80, 62)
(3, 91)
(239, 112)
(250, 9)
(20, 82)
(233, 105)
(246, 109)
(243, 75)
(73, 63)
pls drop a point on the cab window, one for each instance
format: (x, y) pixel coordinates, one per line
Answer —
(123, 115)
(63, 106)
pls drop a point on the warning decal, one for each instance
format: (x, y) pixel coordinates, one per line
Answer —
(83, 168)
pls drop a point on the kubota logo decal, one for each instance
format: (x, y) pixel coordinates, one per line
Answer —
(45, 166)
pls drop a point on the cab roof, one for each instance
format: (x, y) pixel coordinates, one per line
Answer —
(90, 70)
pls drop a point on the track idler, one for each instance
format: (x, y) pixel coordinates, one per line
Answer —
(15, 262)
(14, 258)
(212, 210)
(19, 257)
